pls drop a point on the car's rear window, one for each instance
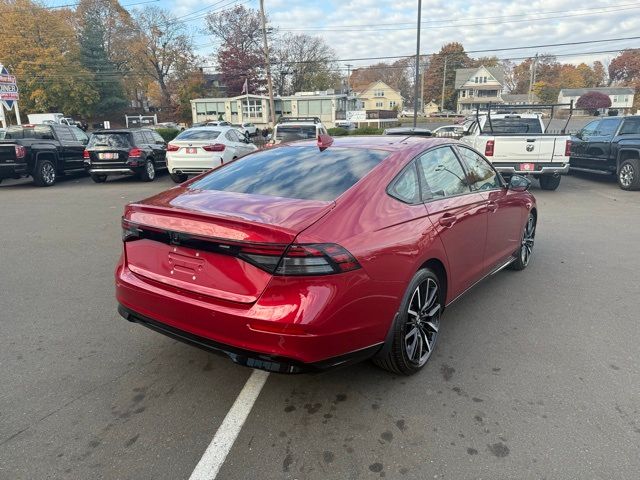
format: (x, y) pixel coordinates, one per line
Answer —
(513, 125)
(115, 140)
(291, 133)
(294, 172)
(37, 132)
(198, 135)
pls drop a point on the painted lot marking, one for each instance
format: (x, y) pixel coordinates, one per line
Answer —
(217, 451)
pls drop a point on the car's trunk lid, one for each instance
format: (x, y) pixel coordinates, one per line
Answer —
(194, 240)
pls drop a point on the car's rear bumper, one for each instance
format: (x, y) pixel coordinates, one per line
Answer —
(115, 168)
(539, 168)
(11, 170)
(295, 326)
(191, 165)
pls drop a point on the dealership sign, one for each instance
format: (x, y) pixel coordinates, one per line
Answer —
(8, 88)
(356, 116)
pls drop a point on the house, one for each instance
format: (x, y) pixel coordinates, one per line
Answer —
(520, 98)
(477, 87)
(621, 97)
(378, 96)
(430, 108)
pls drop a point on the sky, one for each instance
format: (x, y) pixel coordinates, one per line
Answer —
(370, 28)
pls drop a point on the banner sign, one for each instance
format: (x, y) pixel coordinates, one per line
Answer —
(356, 116)
(8, 88)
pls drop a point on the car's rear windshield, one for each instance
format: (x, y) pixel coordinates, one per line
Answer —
(198, 135)
(291, 133)
(513, 125)
(115, 140)
(294, 172)
(39, 132)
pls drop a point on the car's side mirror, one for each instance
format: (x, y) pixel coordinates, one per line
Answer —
(579, 134)
(518, 183)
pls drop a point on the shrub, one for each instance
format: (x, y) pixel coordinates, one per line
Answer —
(367, 131)
(593, 101)
(168, 133)
(337, 132)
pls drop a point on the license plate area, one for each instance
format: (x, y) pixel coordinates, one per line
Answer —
(527, 167)
(107, 156)
(191, 150)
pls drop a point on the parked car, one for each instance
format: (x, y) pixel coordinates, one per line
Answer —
(197, 150)
(518, 144)
(51, 119)
(41, 151)
(321, 253)
(221, 123)
(610, 146)
(2, 132)
(346, 124)
(126, 151)
(407, 131)
(247, 128)
(291, 129)
(449, 131)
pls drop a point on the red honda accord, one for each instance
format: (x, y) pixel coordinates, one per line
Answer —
(317, 254)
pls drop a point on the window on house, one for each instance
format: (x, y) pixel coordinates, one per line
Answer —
(252, 108)
(626, 99)
(200, 109)
(378, 104)
(485, 80)
(392, 104)
(475, 79)
(378, 93)
(615, 99)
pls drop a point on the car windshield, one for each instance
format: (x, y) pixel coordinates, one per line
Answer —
(290, 133)
(198, 135)
(39, 132)
(115, 140)
(294, 172)
(513, 125)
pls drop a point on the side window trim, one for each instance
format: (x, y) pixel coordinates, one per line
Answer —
(462, 166)
(457, 149)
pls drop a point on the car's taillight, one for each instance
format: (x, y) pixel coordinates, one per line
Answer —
(135, 152)
(303, 259)
(216, 147)
(85, 154)
(21, 152)
(567, 148)
(172, 148)
(488, 148)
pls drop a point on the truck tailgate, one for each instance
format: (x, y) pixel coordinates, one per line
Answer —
(524, 148)
(7, 152)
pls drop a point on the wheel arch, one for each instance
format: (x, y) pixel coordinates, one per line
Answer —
(440, 270)
(48, 155)
(626, 154)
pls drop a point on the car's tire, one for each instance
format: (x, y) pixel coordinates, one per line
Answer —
(524, 252)
(148, 172)
(629, 174)
(44, 174)
(98, 178)
(415, 330)
(550, 182)
(179, 177)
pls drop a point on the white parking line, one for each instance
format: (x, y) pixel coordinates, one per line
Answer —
(218, 449)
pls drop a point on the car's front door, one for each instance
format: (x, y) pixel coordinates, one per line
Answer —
(72, 150)
(458, 214)
(580, 143)
(600, 143)
(505, 212)
(159, 147)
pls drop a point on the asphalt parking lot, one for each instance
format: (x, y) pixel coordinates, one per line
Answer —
(536, 374)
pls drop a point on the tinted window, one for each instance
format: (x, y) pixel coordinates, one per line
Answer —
(198, 135)
(480, 174)
(148, 138)
(290, 133)
(294, 172)
(405, 187)
(115, 140)
(608, 126)
(64, 134)
(232, 136)
(138, 139)
(157, 137)
(513, 125)
(590, 128)
(39, 132)
(442, 174)
(79, 134)
(631, 126)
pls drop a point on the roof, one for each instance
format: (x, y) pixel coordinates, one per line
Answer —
(391, 143)
(463, 75)
(576, 92)
(520, 98)
(362, 89)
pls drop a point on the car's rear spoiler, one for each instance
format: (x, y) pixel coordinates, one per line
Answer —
(531, 106)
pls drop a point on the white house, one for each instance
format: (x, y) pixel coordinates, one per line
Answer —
(477, 87)
(621, 97)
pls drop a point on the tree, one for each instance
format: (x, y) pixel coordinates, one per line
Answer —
(39, 46)
(455, 58)
(600, 74)
(303, 63)
(190, 87)
(625, 70)
(164, 49)
(593, 101)
(396, 75)
(240, 54)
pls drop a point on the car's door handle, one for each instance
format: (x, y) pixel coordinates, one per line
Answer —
(492, 207)
(447, 220)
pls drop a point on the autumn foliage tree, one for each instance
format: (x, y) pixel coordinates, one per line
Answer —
(593, 102)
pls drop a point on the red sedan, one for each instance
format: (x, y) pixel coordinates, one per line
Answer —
(317, 254)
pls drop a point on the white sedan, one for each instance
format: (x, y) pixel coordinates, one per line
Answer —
(199, 149)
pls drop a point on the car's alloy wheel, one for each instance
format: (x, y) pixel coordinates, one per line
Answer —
(423, 323)
(523, 254)
(45, 173)
(626, 175)
(151, 171)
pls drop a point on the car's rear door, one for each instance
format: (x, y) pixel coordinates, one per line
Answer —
(505, 212)
(458, 214)
(70, 147)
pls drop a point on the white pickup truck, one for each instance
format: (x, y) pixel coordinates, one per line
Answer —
(517, 143)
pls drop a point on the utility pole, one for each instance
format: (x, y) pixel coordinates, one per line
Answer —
(532, 78)
(272, 109)
(346, 108)
(424, 64)
(444, 79)
(415, 86)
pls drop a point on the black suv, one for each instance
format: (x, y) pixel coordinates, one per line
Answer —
(130, 151)
(41, 151)
(609, 145)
